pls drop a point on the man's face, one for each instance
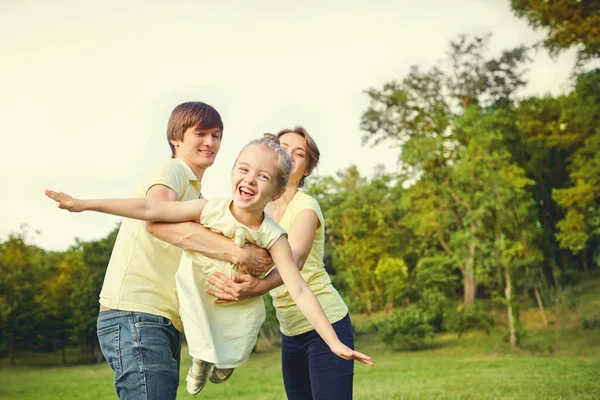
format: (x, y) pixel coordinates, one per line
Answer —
(199, 147)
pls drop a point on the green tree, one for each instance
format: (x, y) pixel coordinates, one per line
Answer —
(581, 199)
(55, 301)
(89, 262)
(494, 190)
(20, 274)
(541, 148)
(417, 115)
(361, 234)
(569, 23)
(392, 274)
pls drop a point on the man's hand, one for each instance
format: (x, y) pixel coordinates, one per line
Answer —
(239, 287)
(65, 201)
(253, 260)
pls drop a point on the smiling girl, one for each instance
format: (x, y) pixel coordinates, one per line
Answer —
(224, 335)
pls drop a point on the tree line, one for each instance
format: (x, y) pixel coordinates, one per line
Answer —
(495, 196)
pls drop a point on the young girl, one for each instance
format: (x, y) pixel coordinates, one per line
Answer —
(225, 334)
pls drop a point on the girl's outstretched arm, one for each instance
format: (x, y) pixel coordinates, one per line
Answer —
(308, 303)
(144, 209)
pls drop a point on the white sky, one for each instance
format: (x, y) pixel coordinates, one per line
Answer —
(86, 87)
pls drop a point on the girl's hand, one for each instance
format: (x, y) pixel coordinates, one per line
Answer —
(65, 201)
(341, 350)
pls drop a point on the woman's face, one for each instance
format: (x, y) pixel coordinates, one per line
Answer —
(295, 145)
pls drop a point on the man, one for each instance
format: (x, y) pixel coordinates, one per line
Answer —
(139, 327)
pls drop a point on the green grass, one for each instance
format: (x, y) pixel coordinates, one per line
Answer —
(477, 366)
(452, 371)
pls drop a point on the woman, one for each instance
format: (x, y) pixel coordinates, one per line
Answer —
(310, 370)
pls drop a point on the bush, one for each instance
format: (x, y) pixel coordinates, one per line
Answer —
(406, 328)
(464, 319)
(589, 324)
(434, 306)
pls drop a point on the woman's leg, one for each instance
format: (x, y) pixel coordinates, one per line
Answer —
(331, 377)
(294, 365)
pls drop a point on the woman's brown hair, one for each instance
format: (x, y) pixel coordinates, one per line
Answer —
(311, 149)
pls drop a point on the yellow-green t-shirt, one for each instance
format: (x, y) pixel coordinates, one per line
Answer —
(141, 271)
(291, 320)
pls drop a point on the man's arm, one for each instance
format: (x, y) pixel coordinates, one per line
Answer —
(193, 236)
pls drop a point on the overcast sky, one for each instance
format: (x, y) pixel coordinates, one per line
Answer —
(86, 87)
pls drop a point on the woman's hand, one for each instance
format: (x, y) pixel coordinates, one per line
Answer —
(65, 201)
(345, 352)
(239, 287)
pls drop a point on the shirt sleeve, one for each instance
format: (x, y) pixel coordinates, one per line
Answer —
(167, 172)
(213, 210)
(308, 203)
(273, 232)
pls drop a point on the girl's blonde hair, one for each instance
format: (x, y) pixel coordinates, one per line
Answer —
(284, 162)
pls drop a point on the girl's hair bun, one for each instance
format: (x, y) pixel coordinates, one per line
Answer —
(271, 137)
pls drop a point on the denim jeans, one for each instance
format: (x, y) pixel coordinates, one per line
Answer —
(312, 371)
(144, 352)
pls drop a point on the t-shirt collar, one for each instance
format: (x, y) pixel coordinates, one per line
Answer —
(188, 171)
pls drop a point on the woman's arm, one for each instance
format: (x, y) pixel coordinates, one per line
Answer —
(143, 209)
(307, 302)
(301, 236)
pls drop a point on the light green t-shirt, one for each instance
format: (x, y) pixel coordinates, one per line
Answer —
(291, 320)
(141, 271)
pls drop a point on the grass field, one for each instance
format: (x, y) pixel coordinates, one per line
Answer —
(476, 366)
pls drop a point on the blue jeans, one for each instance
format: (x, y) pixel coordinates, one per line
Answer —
(144, 352)
(312, 371)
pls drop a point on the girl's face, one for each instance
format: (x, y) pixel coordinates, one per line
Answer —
(255, 178)
(295, 145)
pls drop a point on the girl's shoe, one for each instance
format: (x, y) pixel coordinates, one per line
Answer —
(220, 375)
(196, 377)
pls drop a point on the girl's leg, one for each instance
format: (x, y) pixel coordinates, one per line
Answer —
(331, 377)
(294, 365)
(196, 377)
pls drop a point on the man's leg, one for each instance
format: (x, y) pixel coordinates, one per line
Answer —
(144, 352)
